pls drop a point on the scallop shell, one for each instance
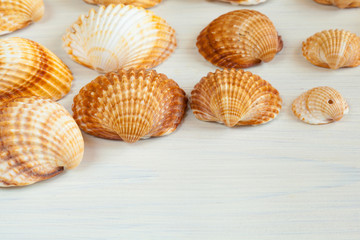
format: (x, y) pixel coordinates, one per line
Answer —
(29, 69)
(235, 97)
(239, 39)
(130, 105)
(244, 2)
(120, 36)
(320, 105)
(137, 3)
(38, 140)
(333, 49)
(341, 3)
(17, 14)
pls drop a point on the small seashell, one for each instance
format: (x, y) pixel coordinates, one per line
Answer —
(235, 97)
(341, 3)
(38, 140)
(17, 14)
(333, 49)
(137, 3)
(244, 2)
(119, 36)
(130, 105)
(239, 39)
(320, 105)
(29, 69)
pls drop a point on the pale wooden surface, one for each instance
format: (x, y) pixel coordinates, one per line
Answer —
(284, 180)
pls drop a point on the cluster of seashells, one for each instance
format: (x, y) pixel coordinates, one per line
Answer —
(39, 138)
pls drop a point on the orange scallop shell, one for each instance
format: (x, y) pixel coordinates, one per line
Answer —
(341, 3)
(137, 3)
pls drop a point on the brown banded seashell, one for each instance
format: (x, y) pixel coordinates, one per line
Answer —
(244, 2)
(119, 36)
(333, 49)
(239, 39)
(137, 3)
(17, 14)
(39, 139)
(29, 69)
(341, 3)
(235, 97)
(320, 105)
(130, 105)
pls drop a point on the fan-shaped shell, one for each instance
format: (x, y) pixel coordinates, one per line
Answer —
(129, 105)
(38, 140)
(333, 49)
(341, 3)
(244, 2)
(29, 69)
(119, 36)
(320, 105)
(137, 3)
(239, 39)
(17, 14)
(235, 97)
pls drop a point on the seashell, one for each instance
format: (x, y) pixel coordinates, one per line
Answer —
(341, 3)
(38, 140)
(17, 14)
(235, 97)
(29, 69)
(244, 2)
(239, 39)
(333, 49)
(130, 105)
(137, 3)
(320, 105)
(120, 36)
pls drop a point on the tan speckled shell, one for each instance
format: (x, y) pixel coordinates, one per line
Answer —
(239, 39)
(29, 69)
(341, 3)
(320, 105)
(130, 105)
(235, 97)
(137, 3)
(244, 2)
(333, 49)
(17, 14)
(119, 36)
(38, 140)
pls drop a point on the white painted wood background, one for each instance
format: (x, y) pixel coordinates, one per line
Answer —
(283, 180)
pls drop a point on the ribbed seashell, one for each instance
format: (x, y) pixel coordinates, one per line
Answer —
(320, 105)
(130, 105)
(239, 39)
(29, 69)
(244, 2)
(38, 140)
(119, 36)
(341, 3)
(17, 14)
(137, 3)
(333, 49)
(235, 97)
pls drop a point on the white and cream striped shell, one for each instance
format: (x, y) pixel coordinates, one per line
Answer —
(119, 36)
(17, 14)
(38, 140)
(137, 3)
(29, 69)
(341, 3)
(244, 2)
(320, 105)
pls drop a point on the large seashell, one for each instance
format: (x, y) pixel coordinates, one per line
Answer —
(17, 14)
(333, 49)
(244, 2)
(38, 140)
(235, 97)
(341, 3)
(137, 3)
(29, 69)
(129, 105)
(320, 105)
(239, 39)
(119, 36)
